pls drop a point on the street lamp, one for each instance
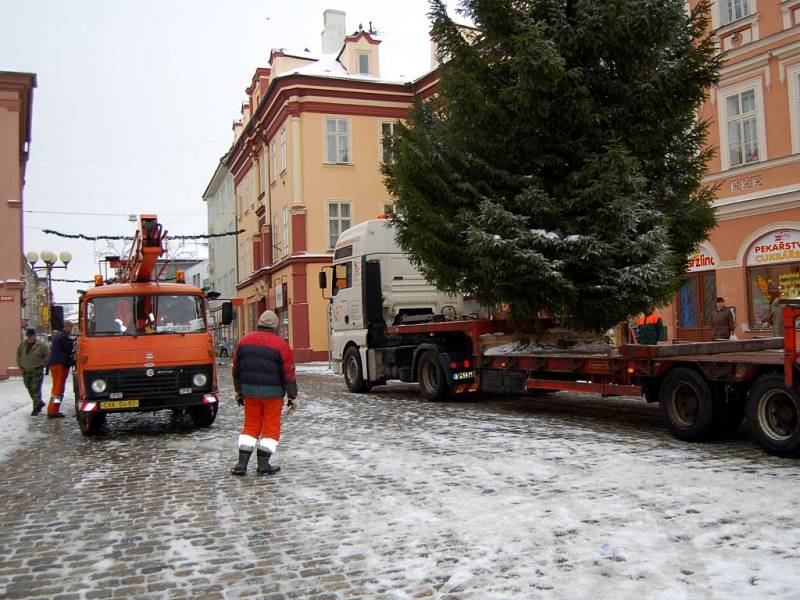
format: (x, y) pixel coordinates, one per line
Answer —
(49, 259)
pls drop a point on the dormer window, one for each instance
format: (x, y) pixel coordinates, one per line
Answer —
(363, 63)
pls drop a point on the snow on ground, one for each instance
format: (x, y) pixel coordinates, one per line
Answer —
(16, 410)
(313, 367)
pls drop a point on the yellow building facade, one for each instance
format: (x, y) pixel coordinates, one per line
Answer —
(306, 165)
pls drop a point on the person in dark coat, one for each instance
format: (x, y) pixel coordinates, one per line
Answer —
(722, 321)
(32, 355)
(649, 329)
(263, 372)
(60, 362)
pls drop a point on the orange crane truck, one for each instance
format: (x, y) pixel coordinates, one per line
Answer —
(144, 345)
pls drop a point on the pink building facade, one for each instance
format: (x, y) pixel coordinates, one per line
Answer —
(755, 125)
(16, 96)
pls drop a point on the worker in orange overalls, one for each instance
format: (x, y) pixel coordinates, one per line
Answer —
(649, 329)
(60, 362)
(263, 371)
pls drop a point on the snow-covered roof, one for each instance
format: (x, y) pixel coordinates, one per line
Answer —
(329, 66)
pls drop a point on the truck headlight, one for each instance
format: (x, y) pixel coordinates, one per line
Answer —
(199, 379)
(99, 386)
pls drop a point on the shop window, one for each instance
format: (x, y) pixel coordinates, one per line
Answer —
(787, 276)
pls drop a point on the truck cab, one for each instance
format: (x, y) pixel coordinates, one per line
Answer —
(374, 286)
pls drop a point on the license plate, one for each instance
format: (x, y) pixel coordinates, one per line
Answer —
(110, 404)
(463, 375)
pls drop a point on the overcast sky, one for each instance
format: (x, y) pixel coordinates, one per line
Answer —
(135, 99)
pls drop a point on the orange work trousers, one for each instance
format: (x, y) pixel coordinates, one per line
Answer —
(262, 417)
(58, 373)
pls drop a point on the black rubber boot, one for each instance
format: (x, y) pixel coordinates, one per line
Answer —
(240, 468)
(264, 468)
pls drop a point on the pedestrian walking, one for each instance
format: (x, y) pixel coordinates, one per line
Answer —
(722, 321)
(32, 355)
(263, 372)
(223, 349)
(60, 362)
(649, 329)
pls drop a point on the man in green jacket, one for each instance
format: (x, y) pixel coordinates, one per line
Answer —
(32, 355)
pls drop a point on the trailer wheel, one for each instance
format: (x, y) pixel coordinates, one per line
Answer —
(353, 371)
(203, 416)
(773, 415)
(432, 378)
(686, 405)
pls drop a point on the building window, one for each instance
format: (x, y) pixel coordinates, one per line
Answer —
(273, 163)
(276, 235)
(387, 208)
(387, 130)
(787, 276)
(733, 10)
(338, 221)
(283, 149)
(337, 141)
(742, 128)
(363, 63)
(286, 230)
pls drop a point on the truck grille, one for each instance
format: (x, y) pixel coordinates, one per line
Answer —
(134, 383)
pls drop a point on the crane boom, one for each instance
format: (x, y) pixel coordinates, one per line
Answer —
(147, 246)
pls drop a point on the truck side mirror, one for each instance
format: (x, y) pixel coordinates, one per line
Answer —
(323, 280)
(227, 313)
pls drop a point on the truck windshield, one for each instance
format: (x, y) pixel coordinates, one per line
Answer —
(145, 315)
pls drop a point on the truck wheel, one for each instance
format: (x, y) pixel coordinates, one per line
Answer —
(203, 416)
(773, 415)
(686, 405)
(432, 378)
(353, 371)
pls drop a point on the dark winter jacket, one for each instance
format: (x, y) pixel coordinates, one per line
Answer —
(263, 366)
(722, 324)
(650, 329)
(32, 358)
(61, 349)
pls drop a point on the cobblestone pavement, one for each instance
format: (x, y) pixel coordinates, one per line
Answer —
(384, 495)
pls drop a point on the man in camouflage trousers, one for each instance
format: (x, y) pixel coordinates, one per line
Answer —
(32, 356)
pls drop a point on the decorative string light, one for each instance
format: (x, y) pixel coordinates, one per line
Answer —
(94, 238)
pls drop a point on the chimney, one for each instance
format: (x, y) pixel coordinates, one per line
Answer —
(334, 32)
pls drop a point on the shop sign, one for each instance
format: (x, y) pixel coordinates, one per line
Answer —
(699, 261)
(6, 298)
(775, 247)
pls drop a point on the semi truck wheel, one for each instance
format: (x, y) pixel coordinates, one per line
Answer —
(432, 378)
(773, 415)
(353, 371)
(203, 416)
(686, 405)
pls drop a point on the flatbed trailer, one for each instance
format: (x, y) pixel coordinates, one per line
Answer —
(388, 323)
(704, 389)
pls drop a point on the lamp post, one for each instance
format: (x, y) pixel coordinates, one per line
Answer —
(49, 259)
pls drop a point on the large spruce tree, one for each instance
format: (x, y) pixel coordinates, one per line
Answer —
(559, 167)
